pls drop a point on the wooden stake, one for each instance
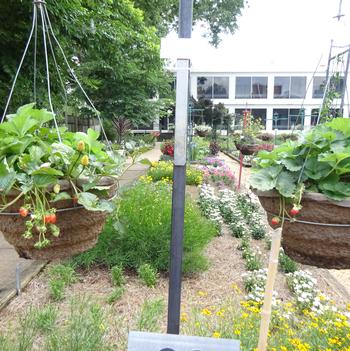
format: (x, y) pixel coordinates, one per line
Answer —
(271, 277)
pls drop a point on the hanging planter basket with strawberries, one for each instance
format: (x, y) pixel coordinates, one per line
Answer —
(247, 149)
(319, 235)
(75, 229)
(56, 187)
(304, 185)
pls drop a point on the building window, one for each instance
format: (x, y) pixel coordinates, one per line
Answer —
(285, 119)
(289, 87)
(319, 83)
(256, 113)
(213, 87)
(251, 87)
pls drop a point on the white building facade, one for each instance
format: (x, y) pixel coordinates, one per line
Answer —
(282, 100)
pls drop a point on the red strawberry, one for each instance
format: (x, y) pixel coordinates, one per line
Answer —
(53, 218)
(294, 211)
(275, 221)
(23, 212)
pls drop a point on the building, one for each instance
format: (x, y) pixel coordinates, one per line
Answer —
(282, 100)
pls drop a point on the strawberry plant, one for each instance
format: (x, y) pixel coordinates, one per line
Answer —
(318, 161)
(34, 162)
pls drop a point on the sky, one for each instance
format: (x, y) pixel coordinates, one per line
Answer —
(273, 35)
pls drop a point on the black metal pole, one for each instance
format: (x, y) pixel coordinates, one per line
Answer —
(179, 175)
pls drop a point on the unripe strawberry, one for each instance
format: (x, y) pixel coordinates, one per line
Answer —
(275, 221)
(85, 160)
(56, 188)
(81, 146)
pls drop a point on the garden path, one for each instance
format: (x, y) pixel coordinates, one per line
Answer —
(9, 259)
(339, 279)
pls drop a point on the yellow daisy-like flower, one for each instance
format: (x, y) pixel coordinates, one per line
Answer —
(206, 312)
(216, 335)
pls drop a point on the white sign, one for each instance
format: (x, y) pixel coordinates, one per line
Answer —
(140, 341)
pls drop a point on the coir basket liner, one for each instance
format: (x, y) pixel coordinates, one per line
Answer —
(247, 149)
(79, 228)
(320, 236)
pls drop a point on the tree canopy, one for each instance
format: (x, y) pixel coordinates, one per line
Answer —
(219, 16)
(113, 47)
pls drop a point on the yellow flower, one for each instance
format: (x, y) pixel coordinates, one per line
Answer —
(206, 312)
(220, 313)
(202, 293)
(237, 332)
(85, 160)
(216, 335)
(81, 146)
(184, 317)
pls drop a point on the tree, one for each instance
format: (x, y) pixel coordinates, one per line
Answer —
(116, 58)
(220, 16)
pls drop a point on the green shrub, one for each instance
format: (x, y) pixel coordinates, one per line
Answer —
(142, 233)
(116, 294)
(286, 264)
(45, 318)
(118, 278)
(63, 272)
(60, 276)
(257, 232)
(164, 170)
(56, 289)
(148, 275)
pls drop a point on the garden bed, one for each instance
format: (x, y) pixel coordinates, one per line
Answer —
(144, 308)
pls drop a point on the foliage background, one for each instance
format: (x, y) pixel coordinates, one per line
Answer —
(118, 45)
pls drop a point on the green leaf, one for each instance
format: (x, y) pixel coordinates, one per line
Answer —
(61, 196)
(89, 201)
(291, 164)
(7, 177)
(19, 125)
(340, 124)
(44, 180)
(315, 169)
(264, 179)
(107, 206)
(48, 171)
(285, 184)
(146, 162)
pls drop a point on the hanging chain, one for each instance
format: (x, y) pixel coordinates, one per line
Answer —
(76, 78)
(20, 64)
(41, 8)
(47, 30)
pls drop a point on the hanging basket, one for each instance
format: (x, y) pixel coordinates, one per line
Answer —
(320, 236)
(247, 149)
(79, 228)
(202, 133)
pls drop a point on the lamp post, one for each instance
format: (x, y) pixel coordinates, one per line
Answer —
(179, 175)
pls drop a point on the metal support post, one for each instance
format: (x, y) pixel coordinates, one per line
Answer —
(179, 176)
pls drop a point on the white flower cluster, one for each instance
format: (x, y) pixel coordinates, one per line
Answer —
(209, 204)
(203, 128)
(243, 217)
(304, 287)
(254, 283)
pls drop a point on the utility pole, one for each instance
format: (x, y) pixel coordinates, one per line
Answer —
(179, 176)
